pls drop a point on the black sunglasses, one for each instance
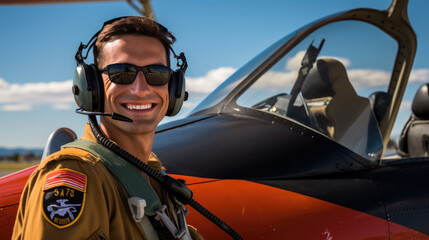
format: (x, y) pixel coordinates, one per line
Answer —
(124, 73)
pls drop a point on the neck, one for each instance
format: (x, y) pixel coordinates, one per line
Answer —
(139, 145)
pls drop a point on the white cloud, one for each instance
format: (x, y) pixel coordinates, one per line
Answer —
(206, 84)
(294, 63)
(274, 80)
(3, 83)
(199, 87)
(375, 78)
(22, 97)
(62, 106)
(405, 106)
(15, 107)
(364, 78)
(419, 75)
(189, 104)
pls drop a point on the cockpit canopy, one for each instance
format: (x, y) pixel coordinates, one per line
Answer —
(330, 96)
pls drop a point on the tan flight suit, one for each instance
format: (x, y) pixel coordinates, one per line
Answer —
(99, 210)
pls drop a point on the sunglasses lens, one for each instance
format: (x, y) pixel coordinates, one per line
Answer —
(122, 73)
(157, 75)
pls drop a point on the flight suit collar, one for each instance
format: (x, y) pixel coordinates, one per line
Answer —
(153, 161)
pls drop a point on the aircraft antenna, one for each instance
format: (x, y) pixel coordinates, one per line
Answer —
(145, 9)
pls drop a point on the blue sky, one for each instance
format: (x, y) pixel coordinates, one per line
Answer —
(38, 43)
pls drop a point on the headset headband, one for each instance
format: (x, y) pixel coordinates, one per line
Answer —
(80, 58)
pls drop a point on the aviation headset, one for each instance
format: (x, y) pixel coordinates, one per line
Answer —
(88, 87)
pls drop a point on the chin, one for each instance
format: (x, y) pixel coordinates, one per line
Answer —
(140, 126)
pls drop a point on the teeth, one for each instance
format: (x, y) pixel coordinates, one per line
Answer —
(139, 107)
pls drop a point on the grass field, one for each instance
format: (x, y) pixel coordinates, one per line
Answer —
(10, 167)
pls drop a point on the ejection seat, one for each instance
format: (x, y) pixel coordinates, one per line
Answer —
(58, 138)
(414, 140)
(345, 116)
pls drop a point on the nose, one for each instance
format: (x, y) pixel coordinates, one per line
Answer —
(140, 86)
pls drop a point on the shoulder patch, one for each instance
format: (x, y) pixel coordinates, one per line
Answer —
(64, 194)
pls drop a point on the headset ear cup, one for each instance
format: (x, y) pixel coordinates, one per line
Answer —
(88, 88)
(82, 96)
(176, 90)
(98, 86)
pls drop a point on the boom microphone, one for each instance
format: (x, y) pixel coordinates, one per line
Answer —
(113, 115)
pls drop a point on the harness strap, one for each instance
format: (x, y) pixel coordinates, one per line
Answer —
(130, 178)
(144, 203)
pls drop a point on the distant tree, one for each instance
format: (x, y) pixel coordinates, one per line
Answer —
(29, 156)
(38, 157)
(17, 157)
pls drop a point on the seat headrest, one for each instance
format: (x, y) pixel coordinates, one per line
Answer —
(329, 79)
(317, 83)
(420, 105)
(380, 102)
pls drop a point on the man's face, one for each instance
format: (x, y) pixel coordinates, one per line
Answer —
(146, 105)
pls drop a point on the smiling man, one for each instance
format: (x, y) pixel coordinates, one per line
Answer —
(85, 191)
(146, 105)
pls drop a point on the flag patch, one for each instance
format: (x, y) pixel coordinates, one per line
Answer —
(66, 177)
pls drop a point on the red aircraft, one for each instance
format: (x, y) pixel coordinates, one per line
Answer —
(293, 145)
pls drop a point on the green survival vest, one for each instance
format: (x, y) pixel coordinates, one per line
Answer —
(134, 183)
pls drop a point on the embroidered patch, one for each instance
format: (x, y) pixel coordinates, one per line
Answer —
(63, 197)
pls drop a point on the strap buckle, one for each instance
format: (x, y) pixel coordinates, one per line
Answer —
(182, 233)
(137, 206)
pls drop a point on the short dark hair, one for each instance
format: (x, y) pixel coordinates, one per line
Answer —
(137, 26)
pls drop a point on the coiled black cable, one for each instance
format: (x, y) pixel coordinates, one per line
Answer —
(180, 191)
(210, 216)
